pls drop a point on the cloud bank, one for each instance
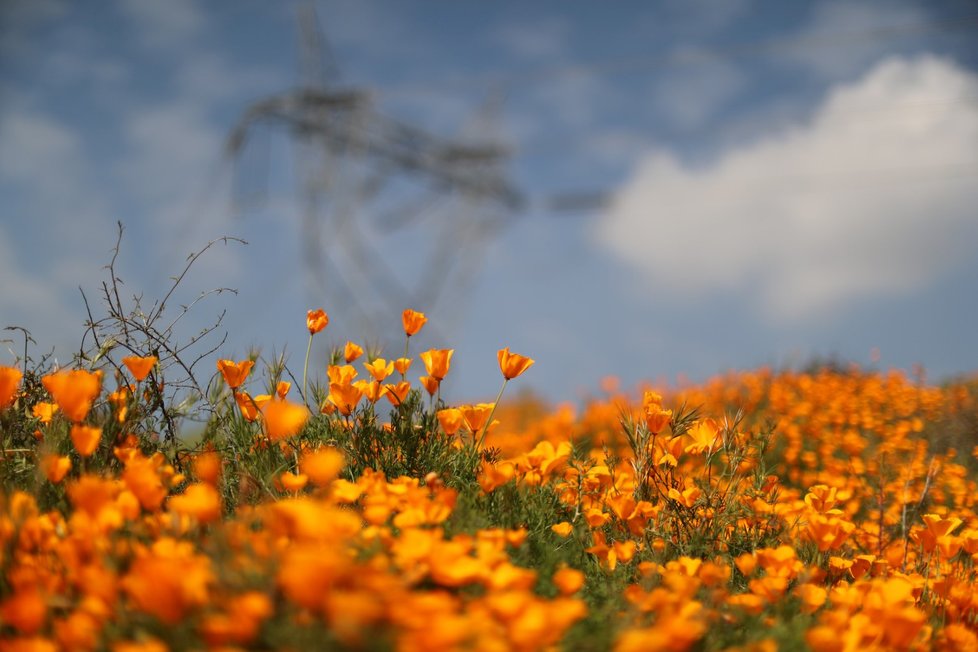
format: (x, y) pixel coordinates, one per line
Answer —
(873, 196)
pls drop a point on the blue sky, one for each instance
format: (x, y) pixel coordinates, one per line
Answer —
(784, 180)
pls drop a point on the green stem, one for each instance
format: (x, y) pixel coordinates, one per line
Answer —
(305, 369)
(485, 428)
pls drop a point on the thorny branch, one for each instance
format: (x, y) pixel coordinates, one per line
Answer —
(137, 333)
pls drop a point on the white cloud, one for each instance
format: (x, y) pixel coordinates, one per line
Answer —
(873, 196)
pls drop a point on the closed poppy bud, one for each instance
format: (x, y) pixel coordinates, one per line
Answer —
(430, 384)
(139, 366)
(234, 372)
(316, 320)
(9, 380)
(401, 365)
(513, 364)
(413, 321)
(282, 388)
(85, 439)
(437, 362)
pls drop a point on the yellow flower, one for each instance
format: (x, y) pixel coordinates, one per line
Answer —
(316, 320)
(513, 364)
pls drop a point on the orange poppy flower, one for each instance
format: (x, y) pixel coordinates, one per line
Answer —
(437, 362)
(282, 388)
(352, 351)
(413, 321)
(513, 364)
(450, 420)
(372, 390)
(85, 439)
(316, 320)
(430, 384)
(401, 365)
(45, 411)
(9, 380)
(140, 366)
(234, 372)
(397, 393)
(322, 466)
(74, 391)
(55, 467)
(475, 416)
(283, 419)
(568, 580)
(380, 369)
(345, 397)
(250, 406)
(201, 501)
(341, 374)
(292, 482)
(207, 467)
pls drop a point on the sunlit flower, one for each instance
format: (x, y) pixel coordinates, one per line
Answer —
(321, 466)
(513, 364)
(450, 419)
(437, 362)
(341, 374)
(413, 321)
(55, 467)
(475, 416)
(234, 372)
(85, 439)
(401, 365)
(250, 406)
(283, 419)
(396, 393)
(316, 320)
(380, 369)
(345, 397)
(430, 384)
(9, 380)
(201, 501)
(44, 411)
(74, 391)
(140, 366)
(351, 352)
(293, 482)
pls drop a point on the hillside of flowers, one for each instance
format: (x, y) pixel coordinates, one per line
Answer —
(350, 507)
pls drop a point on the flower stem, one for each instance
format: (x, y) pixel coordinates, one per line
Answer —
(485, 428)
(305, 369)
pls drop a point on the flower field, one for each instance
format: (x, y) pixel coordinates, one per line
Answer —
(832, 509)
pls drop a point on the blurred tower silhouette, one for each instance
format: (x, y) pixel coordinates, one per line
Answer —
(392, 216)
